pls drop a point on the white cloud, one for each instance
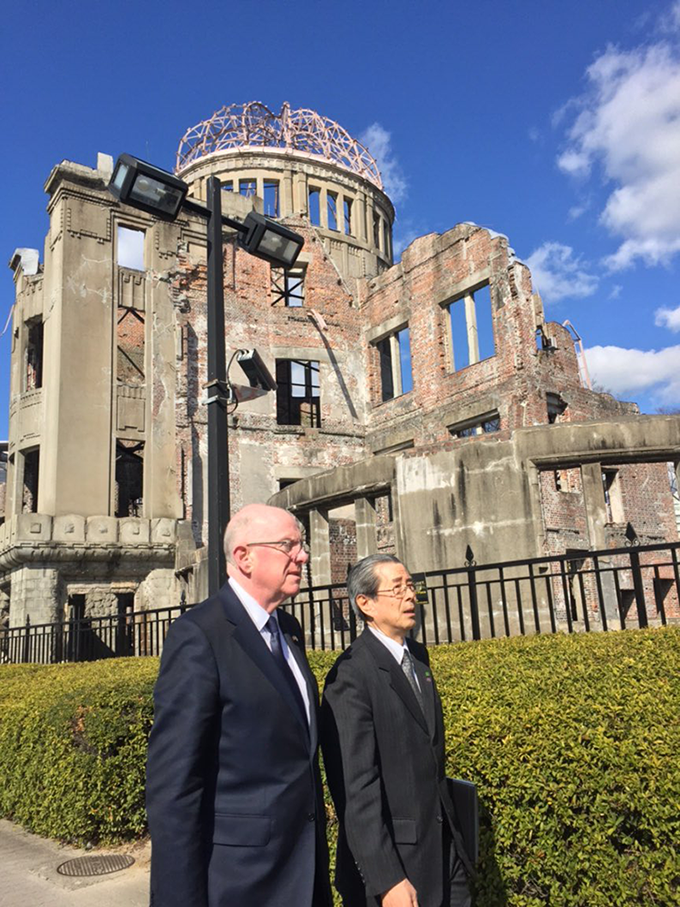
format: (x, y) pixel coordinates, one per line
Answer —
(628, 131)
(578, 210)
(557, 274)
(668, 318)
(379, 142)
(615, 291)
(628, 371)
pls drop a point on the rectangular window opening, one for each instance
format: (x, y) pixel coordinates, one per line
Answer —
(288, 286)
(34, 354)
(347, 209)
(314, 200)
(471, 324)
(228, 186)
(271, 198)
(394, 356)
(129, 478)
(29, 496)
(130, 248)
(376, 230)
(481, 425)
(298, 394)
(247, 187)
(130, 340)
(332, 209)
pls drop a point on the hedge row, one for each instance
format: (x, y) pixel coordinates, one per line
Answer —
(573, 742)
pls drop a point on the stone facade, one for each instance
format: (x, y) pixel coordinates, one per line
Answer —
(422, 407)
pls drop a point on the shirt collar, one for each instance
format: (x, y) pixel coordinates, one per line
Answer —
(392, 646)
(254, 609)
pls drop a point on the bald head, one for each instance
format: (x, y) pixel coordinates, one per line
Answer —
(265, 553)
(249, 524)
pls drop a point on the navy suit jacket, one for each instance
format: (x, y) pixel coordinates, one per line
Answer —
(234, 796)
(385, 764)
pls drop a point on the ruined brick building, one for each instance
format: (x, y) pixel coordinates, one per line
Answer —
(424, 407)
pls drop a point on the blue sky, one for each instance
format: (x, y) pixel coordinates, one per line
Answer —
(557, 124)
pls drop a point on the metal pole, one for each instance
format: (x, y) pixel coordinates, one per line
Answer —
(218, 445)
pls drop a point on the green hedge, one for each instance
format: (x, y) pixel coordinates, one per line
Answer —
(573, 742)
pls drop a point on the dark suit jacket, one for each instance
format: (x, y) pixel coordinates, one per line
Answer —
(385, 765)
(233, 790)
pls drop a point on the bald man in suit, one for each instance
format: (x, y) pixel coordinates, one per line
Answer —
(234, 797)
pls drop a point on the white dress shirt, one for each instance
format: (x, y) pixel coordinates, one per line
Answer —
(259, 617)
(395, 648)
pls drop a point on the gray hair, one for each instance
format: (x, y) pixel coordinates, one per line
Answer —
(363, 578)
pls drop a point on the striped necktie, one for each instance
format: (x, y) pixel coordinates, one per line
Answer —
(407, 668)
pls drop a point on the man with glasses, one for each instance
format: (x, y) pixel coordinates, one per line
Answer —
(234, 796)
(383, 745)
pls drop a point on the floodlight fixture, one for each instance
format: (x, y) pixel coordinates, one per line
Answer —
(148, 188)
(271, 241)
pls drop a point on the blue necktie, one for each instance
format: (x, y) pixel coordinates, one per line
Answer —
(272, 626)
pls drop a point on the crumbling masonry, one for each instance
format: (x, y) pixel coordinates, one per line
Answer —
(423, 407)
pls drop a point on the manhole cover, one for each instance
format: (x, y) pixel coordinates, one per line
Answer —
(95, 865)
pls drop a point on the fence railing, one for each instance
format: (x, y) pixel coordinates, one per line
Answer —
(578, 591)
(88, 638)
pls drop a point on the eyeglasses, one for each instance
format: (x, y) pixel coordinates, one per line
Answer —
(287, 546)
(398, 591)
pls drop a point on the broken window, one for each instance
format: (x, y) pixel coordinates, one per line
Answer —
(314, 206)
(130, 248)
(332, 209)
(130, 330)
(129, 478)
(228, 186)
(34, 354)
(386, 237)
(247, 187)
(298, 400)
(480, 425)
(288, 286)
(556, 408)
(613, 498)
(29, 494)
(471, 323)
(347, 211)
(271, 198)
(568, 480)
(394, 352)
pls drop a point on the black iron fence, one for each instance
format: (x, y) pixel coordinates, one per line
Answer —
(577, 591)
(88, 638)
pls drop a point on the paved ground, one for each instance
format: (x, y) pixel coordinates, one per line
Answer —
(29, 877)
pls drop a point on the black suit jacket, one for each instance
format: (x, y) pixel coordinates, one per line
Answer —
(384, 760)
(233, 790)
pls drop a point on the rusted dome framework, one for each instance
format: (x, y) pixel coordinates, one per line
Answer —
(253, 125)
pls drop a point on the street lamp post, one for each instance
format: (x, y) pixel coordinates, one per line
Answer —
(164, 195)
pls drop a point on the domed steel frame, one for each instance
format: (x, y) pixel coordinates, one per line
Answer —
(253, 125)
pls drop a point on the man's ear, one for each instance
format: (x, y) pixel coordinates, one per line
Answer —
(242, 558)
(365, 605)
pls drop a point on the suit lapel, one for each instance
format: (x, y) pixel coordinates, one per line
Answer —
(386, 662)
(246, 635)
(293, 644)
